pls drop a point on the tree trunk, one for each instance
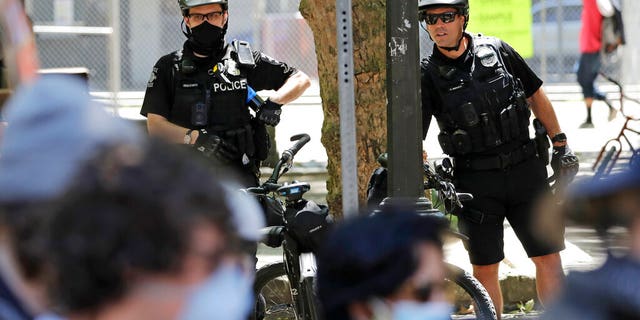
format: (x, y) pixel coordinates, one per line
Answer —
(370, 95)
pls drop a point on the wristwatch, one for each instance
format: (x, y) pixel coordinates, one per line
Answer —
(187, 137)
(560, 137)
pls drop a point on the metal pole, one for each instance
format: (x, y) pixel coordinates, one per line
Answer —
(348, 147)
(404, 122)
(114, 61)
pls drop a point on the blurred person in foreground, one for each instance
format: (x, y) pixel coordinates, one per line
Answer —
(387, 266)
(54, 128)
(610, 291)
(131, 220)
(128, 240)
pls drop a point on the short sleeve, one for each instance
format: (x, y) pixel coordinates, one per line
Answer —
(269, 73)
(158, 96)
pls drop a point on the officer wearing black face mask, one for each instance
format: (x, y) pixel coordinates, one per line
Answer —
(201, 95)
(481, 93)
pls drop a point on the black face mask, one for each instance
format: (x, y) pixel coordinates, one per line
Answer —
(206, 39)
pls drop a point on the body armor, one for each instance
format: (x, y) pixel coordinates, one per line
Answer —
(481, 109)
(214, 97)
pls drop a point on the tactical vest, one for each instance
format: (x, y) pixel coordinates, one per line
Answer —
(482, 109)
(215, 97)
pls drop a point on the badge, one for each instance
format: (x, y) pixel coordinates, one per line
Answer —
(231, 67)
(487, 57)
(152, 79)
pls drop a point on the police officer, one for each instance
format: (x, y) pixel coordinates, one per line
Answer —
(481, 93)
(198, 95)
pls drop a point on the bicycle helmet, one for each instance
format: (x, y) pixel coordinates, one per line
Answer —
(371, 256)
(461, 5)
(185, 5)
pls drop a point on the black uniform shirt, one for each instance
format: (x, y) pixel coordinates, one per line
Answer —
(268, 74)
(515, 65)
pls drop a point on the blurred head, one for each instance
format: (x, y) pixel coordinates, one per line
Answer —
(54, 129)
(387, 263)
(609, 201)
(148, 227)
(445, 21)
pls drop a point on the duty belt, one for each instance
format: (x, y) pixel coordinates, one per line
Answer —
(499, 161)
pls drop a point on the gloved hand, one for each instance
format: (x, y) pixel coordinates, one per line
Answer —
(565, 164)
(270, 113)
(212, 145)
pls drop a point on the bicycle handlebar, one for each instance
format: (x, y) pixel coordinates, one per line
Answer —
(287, 158)
(301, 139)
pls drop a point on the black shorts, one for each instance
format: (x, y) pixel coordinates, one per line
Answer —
(510, 194)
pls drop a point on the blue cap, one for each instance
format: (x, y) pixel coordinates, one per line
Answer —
(607, 185)
(53, 127)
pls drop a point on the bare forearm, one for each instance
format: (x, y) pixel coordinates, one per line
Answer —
(293, 88)
(160, 127)
(543, 111)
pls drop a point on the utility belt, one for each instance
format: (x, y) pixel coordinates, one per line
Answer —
(252, 139)
(500, 161)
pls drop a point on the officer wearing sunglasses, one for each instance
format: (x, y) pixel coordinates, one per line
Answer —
(482, 93)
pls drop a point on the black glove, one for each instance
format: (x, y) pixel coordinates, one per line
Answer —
(212, 145)
(270, 113)
(565, 164)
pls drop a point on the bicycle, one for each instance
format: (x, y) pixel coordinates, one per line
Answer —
(451, 201)
(286, 290)
(611, 151)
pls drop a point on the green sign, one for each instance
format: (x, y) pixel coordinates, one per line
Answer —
(509, 20)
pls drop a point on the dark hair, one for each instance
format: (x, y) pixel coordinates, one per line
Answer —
(371, 256)
(130, 210)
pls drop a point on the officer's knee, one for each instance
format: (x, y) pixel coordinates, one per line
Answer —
(549, 260)
(486, 270)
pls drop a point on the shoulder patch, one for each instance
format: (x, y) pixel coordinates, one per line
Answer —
(152, 79)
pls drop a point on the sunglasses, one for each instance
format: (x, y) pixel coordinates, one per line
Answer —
(446, 17)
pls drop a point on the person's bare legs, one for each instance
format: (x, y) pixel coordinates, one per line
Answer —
(549, 277)
(488, 277)
(588, 124)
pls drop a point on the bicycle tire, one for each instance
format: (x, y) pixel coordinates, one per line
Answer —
(310, 299)
(272, 285)
(484, 309)
(483, 305)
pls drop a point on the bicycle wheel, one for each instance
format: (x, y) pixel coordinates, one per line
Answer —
(273, 294)
(310, 299)
(473, 292)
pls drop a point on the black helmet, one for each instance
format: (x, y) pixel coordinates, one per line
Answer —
(185, 5)
(461, 5)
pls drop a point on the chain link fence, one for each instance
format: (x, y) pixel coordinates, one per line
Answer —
(120, 40)
(126, 37)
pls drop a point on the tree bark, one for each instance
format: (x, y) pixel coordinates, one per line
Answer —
(370, 94)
